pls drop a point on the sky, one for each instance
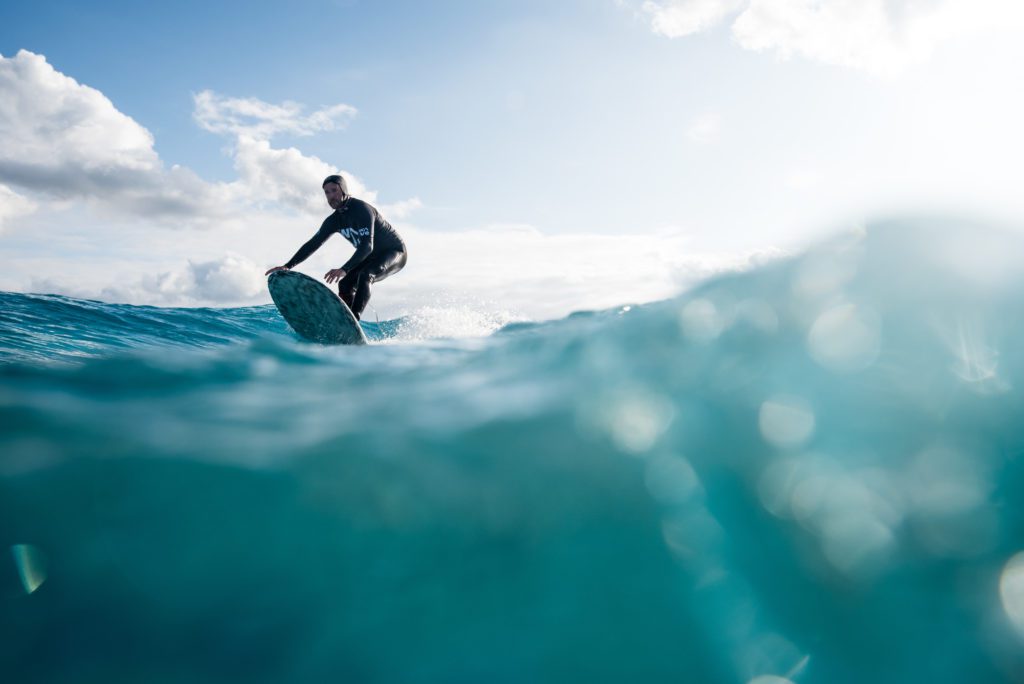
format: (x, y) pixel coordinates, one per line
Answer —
(539, 157)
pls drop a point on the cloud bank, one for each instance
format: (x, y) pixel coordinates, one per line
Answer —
(521, 270)
(883, 37)
(517, 270)
(65, 141)
(230, 279)
(13, 205)
(63, 144)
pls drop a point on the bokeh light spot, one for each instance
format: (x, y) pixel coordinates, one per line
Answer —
(786, 421)
(825, 275)
(770, 679)
(846, 338)
(701, 320)
(771, 652)
(1011, 591)
(775, 487)
(691, 534)
(637, 420)
(857, 543)
(671, 480)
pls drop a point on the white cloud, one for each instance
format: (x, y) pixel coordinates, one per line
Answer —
(801, 179)
(515, 270)
(255, 118)
(704, 129)
(66, 141)
(677, 18)
(524, 271)
(13, 205)
(286, 177)
(230, 279)
(50, 118)
(873, 35)
(399, 211)
(879, 36)
(275, 176)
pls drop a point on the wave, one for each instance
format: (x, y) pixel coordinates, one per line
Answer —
(54, 328)
(807, 472)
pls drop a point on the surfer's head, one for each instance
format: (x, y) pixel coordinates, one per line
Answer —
(335, 190)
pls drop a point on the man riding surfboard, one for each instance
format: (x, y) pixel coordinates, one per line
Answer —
(380, 251)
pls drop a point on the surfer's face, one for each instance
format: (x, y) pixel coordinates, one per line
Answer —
(334, 195)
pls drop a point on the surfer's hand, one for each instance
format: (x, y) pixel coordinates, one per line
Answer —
(277, 268)
(336, 274)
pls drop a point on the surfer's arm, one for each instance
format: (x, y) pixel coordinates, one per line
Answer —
(307, 249)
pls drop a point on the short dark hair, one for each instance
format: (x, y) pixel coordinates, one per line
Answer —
(336, 179)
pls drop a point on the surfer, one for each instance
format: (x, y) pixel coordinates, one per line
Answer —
(380, 251)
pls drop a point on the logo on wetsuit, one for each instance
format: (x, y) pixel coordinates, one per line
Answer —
(353, 234)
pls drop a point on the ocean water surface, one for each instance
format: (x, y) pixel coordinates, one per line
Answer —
(808, 472)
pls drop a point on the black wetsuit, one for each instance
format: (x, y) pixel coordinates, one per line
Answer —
(380, 251)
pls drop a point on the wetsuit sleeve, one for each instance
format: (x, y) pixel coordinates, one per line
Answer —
(311, 246)
(365, 246)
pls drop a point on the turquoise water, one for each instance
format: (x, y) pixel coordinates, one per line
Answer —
(810, 472)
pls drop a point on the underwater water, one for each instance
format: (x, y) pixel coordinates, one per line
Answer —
(809, 472)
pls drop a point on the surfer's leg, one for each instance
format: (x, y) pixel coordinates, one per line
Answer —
(388, 264)
(378, 269)
(361, 295)
(347, 287)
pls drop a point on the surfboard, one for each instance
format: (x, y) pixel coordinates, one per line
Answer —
(313, 310)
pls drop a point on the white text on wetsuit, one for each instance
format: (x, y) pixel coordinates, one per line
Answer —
(353, 234)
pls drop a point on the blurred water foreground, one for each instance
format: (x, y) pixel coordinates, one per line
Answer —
(810, 472)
